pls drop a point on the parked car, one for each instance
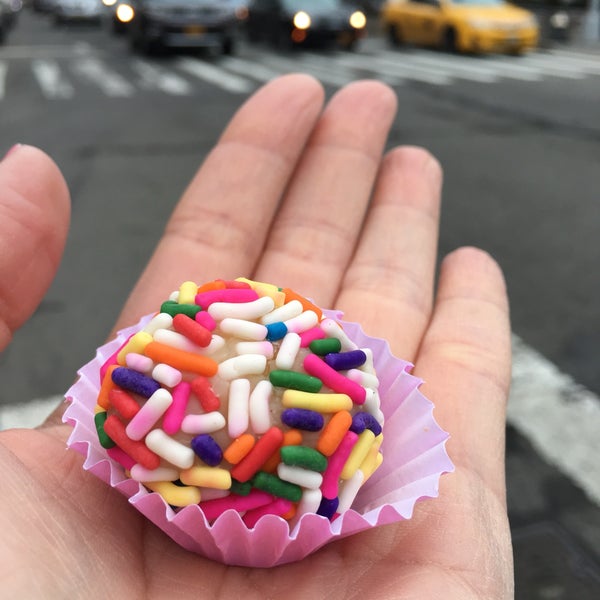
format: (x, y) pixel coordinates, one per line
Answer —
(288, 23)
(157, 24)
(461, 25)
(81, 11)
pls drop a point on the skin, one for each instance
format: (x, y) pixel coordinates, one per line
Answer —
(284, 155)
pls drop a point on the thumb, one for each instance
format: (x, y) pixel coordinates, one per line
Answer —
(34, 220)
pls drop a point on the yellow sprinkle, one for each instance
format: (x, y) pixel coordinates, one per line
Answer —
(358, 453)
(175, 495)
(187, 292)
(99, 409)
(323, 403)
(210, 477)
(369, 469)
(137, 343)
(266, 289)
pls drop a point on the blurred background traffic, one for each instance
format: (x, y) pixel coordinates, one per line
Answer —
(128, 97)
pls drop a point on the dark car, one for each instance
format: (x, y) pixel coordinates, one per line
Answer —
(288, 23)
(159, 24)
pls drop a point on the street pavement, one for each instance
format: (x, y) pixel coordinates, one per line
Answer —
(516, 112)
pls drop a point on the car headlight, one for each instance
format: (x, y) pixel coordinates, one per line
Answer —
(109, 2)
(358, 20)
(124, 13)
(301, 20)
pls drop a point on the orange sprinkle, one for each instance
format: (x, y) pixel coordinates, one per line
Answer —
(180, 359)
(218, 284)
(290, 514)
(306, 304)
(334, 432)
(239, 448)
(107, 385)
(293, 437)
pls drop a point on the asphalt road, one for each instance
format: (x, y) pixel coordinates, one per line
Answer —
(519, 140)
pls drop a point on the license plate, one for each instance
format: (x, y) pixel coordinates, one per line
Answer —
(194, 30)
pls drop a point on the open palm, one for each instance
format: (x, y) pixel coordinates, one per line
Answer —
(301, 195)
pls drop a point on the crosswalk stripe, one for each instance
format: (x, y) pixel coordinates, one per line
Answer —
(390, 65)
(325, 75)
(152, 77)
(553, 67)
(3, 71)
(212, 74)
(249, 68)
(111, 83)
(51, 80)
(49, 51)
(576, 60)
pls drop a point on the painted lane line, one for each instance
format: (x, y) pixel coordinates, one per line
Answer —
(51, 80)
(152, 77)
(3, 71)
(559, 417)
(211, 74)
(96, 72)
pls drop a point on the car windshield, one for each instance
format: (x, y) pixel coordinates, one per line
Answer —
(478, 2)
(293, 5)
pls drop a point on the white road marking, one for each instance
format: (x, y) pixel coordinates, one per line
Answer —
(559, 417)
(249, 68)
(50, 51)
(96, 72)
(51, 80)
(219, 77)
(3, 71)
(153, 77)
(330, 74)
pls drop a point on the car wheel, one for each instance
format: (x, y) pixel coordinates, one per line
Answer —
(228, 46)
(394, 35)
(449, 43)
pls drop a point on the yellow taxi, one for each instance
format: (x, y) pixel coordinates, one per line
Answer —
(476, 26)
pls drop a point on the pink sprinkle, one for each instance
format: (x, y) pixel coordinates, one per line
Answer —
(278, 507)
(331, 476)
(205, 299)
(112, 359)
(204, 319)
(339, 383)
(175, 413)
(213, 508)
(310, 335)
(121, 457)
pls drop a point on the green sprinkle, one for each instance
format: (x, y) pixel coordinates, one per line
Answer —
(174, 308)
(325, 346)
(295, 381)
(239, 488)
(99, 420)
(278, 487)
(305, 457)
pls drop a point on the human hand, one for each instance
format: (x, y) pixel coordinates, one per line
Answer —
(301, 196)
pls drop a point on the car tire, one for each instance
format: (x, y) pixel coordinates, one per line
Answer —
(450, 41)
(394, 35)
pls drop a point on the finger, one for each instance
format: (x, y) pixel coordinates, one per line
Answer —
(219, 226)
(465, 362)
(389, 284)
(313, 236)
(34, 219)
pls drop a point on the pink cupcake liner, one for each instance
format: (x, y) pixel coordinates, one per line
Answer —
(414, 450)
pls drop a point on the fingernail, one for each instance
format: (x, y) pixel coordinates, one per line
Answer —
(11, 150)
(434, 170)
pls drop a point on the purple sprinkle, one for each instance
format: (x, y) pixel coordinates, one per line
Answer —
(301, 418)
(365, 420)
(135, 382)
(207, 449)
(328, 507)
(276, 331)
(342, 361)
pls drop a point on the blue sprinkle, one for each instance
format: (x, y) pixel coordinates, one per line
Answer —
(135, 382)
(365, 420)
(207, 449)
(328, 507)
(301, 418)
(276, 331)
(342, 361)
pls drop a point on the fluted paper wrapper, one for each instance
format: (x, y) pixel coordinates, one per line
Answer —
(414, 459)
